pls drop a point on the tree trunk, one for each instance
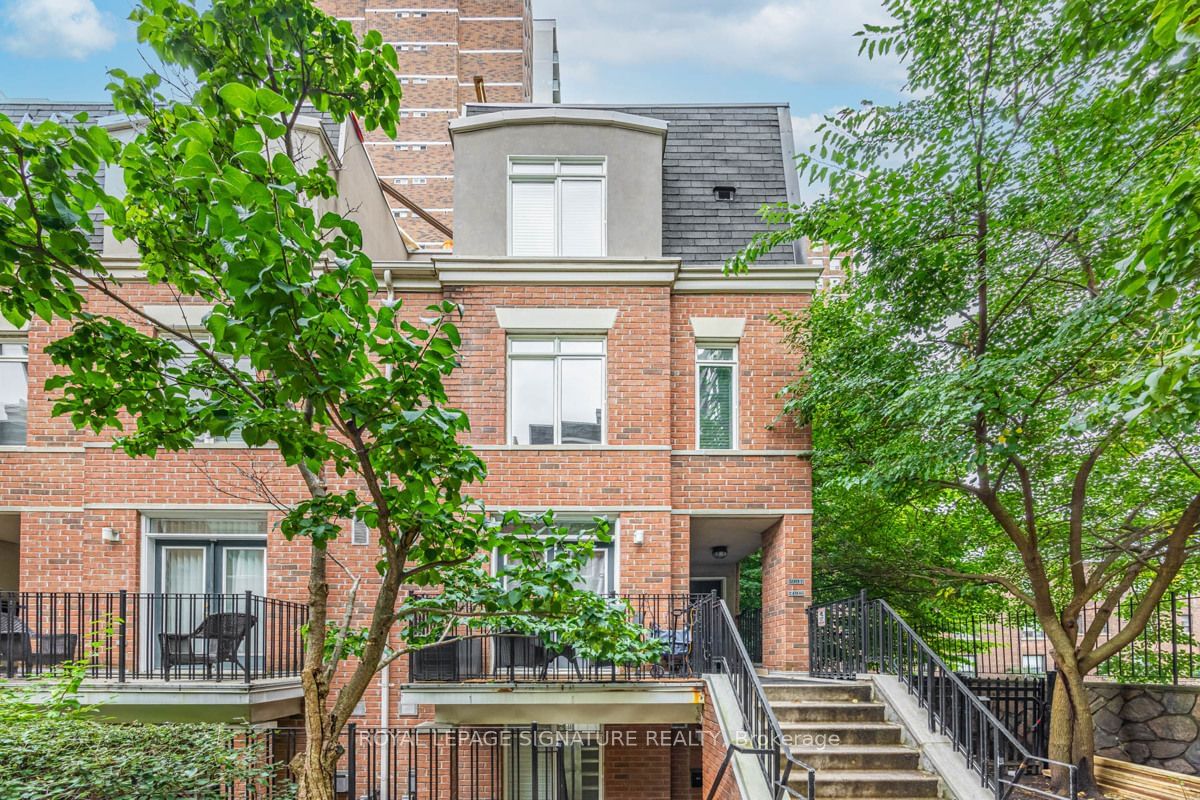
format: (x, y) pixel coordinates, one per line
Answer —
(314, 768)
(1072, 732)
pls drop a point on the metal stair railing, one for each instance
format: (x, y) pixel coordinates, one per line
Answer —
(853, 635)
(720, 649)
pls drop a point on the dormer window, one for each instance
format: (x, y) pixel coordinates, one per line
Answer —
(556, 207)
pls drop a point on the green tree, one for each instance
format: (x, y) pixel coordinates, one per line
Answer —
(998, 353)
(226, 208)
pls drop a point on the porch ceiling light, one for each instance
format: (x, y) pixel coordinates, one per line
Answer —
(720, 551)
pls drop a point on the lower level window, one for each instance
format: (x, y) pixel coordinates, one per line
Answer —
(14, 390)
(579, 767)
(599, 572)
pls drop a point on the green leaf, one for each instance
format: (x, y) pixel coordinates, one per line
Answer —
(270, 102)
(238, 96)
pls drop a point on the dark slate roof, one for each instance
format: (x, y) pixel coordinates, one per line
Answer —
(746, 146)
(35, 111)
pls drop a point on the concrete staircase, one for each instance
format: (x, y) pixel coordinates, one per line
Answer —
(866, 761)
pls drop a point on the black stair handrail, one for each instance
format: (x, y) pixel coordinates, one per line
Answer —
(884, 638)
(724, 650)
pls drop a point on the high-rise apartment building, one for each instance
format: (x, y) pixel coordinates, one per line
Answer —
(450, 52)
(546, 85)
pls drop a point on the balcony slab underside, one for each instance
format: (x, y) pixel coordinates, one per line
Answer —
(195, 701)
(497, 703)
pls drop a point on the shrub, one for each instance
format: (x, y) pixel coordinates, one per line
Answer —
(83, 759)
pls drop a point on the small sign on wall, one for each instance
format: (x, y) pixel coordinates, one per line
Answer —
(820, 618)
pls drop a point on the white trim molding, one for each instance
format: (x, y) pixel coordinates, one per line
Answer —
(741, 512)
(745, 453)
(180, 317)
(556, 115)
(551, 271)
(774, 278)
(718, 329)
(558, 448)
(557, 320)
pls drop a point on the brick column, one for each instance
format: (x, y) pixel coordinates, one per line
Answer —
(787, 554)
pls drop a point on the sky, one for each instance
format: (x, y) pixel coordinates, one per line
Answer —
(802, 52)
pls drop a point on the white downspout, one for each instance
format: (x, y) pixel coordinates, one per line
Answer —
(385, 687)
(385, 682)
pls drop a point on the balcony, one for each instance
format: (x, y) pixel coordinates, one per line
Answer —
(151, 656)
(491, 675)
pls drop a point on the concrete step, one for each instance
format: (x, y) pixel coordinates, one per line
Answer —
(802, 692)
(859, 757)
(816, 734)
(823, 711)
(859, 784)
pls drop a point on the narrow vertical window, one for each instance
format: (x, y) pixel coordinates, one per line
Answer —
(14, 390)
(716, 396)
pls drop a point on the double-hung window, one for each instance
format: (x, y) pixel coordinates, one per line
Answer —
(188, 353)
(556, 390)
(14, 390)
(556, 207)
(716, 396)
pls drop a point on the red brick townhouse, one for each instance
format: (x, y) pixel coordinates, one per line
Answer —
(609, 368)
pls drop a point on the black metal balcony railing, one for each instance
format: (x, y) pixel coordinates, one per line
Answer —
(492, 653)
(136, 636)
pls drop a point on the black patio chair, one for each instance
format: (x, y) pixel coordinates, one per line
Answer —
(515, 649)
(53, 648)
(14, 645)
(227, 630)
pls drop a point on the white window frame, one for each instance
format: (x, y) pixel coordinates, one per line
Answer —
(562, 172)
(557, 356)
(355, 523)
(612, 547)
(225, 574)
(19, 339)
(206, 439)
(1032, 669)
(735, 412)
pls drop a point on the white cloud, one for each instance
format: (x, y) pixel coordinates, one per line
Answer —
(805, 135)
(55, 28)
(808, 41)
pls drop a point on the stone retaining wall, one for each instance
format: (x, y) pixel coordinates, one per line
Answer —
(1154, 725)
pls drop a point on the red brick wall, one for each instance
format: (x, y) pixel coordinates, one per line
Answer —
(787, 557)
(66, 492)
(639, 767)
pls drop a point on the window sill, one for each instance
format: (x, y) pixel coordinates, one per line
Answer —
(742, 453)
(560, 447)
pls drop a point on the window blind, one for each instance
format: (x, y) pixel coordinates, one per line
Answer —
(582, 217)
(716, 407)
(533, 218)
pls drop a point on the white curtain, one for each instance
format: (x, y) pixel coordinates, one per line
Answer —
(183, 573)
(244, 571)
(594, 575)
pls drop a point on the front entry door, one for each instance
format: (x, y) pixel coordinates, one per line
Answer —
(708, 586)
